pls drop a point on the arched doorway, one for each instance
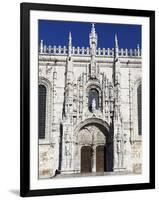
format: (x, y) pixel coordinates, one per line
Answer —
(96, 148)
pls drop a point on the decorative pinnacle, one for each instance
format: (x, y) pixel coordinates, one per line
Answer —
(93, 37)
(93, 31)
(41, 46)
(69, 44)
(116, 41)
(116, 47)
(70, 39)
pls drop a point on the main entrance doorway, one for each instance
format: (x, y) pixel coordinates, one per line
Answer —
(96, 149)
(86, 159)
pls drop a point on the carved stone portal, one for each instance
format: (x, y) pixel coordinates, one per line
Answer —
(95, 151)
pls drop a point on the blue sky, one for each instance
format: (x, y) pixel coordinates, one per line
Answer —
(56, 33)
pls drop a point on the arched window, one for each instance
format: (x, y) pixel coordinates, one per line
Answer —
(139, 108)
(42, 111)
(93, 96)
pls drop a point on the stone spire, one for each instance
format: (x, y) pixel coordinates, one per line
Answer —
(116, 70)
(68, 107)
(116, 74)
(41, 46)
(93, 46)
(93, 40)
(116, 46)
(118, 132)
(70, 44)
(69, 58)
(67, 139)
(138, 50)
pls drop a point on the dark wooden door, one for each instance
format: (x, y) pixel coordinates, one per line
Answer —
(100, 158)
(86, 163)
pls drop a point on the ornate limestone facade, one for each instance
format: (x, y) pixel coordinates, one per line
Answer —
(89, 109)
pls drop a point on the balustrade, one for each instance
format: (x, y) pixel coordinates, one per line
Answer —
(59, 50)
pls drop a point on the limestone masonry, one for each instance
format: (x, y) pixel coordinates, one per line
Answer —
(89, 109)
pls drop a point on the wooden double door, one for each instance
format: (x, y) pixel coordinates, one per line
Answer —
(87, 159)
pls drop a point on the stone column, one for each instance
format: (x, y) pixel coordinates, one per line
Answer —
(67, 149)
(94, 158)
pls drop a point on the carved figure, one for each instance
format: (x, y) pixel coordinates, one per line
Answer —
(93, 105)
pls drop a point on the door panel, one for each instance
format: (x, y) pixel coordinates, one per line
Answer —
(86, 165)
(100, 158)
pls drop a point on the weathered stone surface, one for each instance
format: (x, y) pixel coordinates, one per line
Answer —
(75, 119)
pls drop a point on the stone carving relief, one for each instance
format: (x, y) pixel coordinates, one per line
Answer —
(93, 105)
(48, 69)
(91, 134)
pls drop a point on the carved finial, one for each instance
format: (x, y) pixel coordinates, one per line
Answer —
(41, 46)
(70, 39)
(93, 46)
(93, 35)
(93, 29)
(116, 47)
(70, 45)
(116, 41)
(138, 50)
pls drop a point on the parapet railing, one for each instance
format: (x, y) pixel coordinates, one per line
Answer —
(82, 51)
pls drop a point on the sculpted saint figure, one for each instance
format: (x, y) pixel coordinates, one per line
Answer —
(93, 105)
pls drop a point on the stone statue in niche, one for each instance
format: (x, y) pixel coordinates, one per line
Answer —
(68, 154)
(74, 105)
(48, 68)
(119, 151)
(93, 105)
(118, 146)
(68, 149)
